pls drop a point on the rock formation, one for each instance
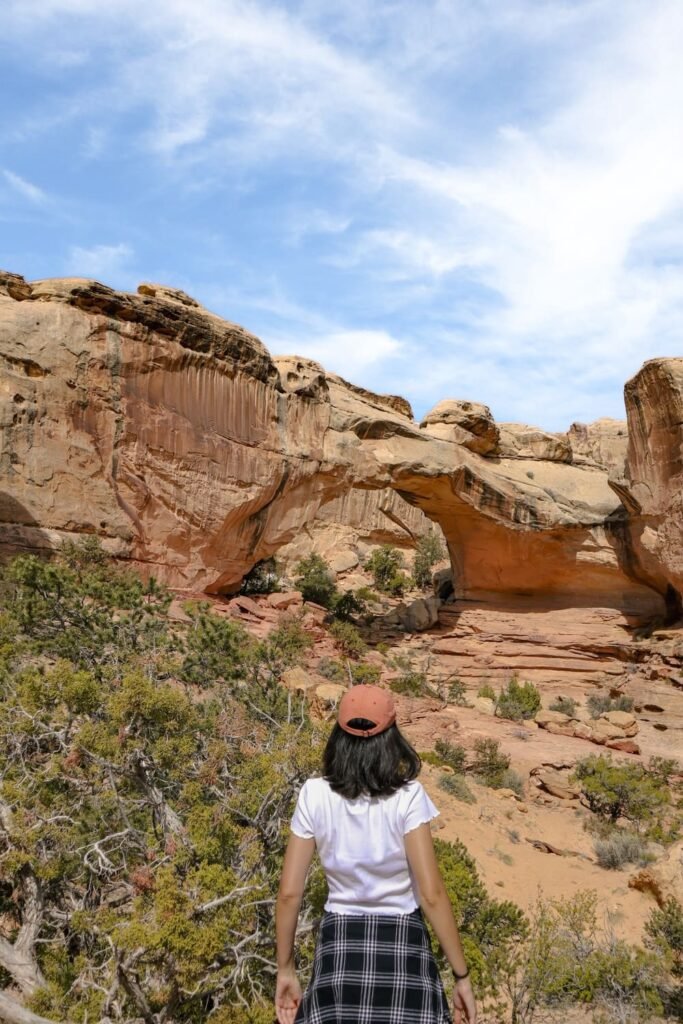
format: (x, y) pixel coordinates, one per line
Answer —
(175, 437)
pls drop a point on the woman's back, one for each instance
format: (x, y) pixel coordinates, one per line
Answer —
(361, 845)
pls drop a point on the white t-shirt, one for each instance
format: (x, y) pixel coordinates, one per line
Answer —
(361, 846)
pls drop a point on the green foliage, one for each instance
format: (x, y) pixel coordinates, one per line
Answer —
(486, 691)
(452, 754)
(345, 606)
(215, 648)
(333, 670)
(79, 607)
(456, 786)
(365, 672)
(490, 765)
(368, 595)
(145, 792)
(664, 934)
(621, 847)
(565, 705)
(385, 564)
(410, 683)
(264, 578)
(428, 551)
(616, 789)
(514, 781)
(457, 693)
(598, 704)
(518, 700)
(566, 960)
(348, 639)
(316, 581)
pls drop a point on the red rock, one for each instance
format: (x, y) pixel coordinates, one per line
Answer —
(629, 746)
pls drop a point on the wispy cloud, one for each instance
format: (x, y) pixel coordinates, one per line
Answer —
(26, 189)
(100, 261)
(499, 186)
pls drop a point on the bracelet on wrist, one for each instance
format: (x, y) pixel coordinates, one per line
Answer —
(459, 977)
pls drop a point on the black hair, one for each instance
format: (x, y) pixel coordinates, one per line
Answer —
(374, 765)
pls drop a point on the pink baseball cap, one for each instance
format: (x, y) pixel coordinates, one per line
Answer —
(369, 702)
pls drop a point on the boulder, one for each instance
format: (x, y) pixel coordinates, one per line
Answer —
(484, 704)
(624, 719)
(330, 692)
(566, 729)
(545, 716)
(297, 679)
(628, 746)
(287, 599)
(469, 424)
(604, 728)
(517, 440)
(556, 783)
(421, 614)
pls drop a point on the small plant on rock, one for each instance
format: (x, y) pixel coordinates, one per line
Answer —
(490, 764)
(428, 551)
(452, 754)
(315, 579)
(456, 786)
(565, 705)
(385, 564)
(518, 700)
(348, 639)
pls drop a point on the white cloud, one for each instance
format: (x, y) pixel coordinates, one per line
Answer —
(350, 353)
(25, 188)
(100, 261)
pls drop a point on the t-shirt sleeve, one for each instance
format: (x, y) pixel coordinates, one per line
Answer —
(419, 809)
(302, 824)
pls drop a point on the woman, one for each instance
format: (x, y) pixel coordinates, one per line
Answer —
(369, 819)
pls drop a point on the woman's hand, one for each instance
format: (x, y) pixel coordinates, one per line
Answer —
(287, 995)
(463, 1003)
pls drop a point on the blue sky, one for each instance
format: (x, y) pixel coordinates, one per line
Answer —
(476, 199)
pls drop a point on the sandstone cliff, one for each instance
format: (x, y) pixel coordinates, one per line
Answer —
(174, 436)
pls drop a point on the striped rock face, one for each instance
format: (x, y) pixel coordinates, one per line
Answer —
(172, 434)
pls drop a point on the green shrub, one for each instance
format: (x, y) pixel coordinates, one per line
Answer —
(452, 754)
(431, 757)
(316, 581)
(598, 704)
(345, 606)
(486, 691)
(616, 789)
(385, 564)
(264, 578)
(456, 786)
(517, 701)
(368, 595)
(365, 672)
(513, 780)
(428, 551)
(664, 933)
(620, 848)
(566, 705)
(333, 670)
(410, 683)
(348, 639)
(457, 693)
(490, 764)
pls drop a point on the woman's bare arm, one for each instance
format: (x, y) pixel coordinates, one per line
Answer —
(297, 861)
(433, 896)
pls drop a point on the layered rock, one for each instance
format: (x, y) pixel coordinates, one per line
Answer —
(174, 436)
(653, 488)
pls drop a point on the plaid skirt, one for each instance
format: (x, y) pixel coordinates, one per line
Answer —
(374, 969)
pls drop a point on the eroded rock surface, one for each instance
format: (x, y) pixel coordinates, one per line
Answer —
(173, 435)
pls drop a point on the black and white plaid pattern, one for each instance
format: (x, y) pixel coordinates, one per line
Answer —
(374, 969)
